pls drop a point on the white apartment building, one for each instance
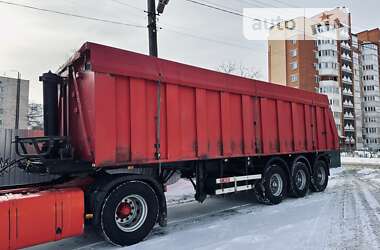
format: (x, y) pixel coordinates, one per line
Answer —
(8, 93)
(358, 93)
(371, 96)
(328, 77)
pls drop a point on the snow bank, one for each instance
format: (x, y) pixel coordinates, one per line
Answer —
(358, 160)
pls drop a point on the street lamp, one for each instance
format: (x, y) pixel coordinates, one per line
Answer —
(161, 6)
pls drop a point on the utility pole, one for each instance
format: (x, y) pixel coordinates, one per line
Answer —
(17, 119)
(152, 27)
(152, 23)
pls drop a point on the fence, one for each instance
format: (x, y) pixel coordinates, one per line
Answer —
(16, 176)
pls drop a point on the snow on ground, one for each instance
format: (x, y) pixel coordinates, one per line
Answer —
(358, 160)
(345, 216)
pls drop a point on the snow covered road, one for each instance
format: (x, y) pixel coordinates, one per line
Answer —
(345, 216)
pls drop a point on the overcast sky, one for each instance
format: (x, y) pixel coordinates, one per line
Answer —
(34, 42)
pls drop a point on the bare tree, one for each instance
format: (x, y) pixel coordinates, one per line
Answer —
(35, 116)
(233, 68)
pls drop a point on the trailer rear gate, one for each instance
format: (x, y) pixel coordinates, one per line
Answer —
(203, 114)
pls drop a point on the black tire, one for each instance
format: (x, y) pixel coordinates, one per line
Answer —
(110, 224)
(273, 185)
(320, 176)
(299, 179)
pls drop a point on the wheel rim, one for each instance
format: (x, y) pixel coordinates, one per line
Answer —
(300, 179)
(276, 184)
(131, 213)
(321, 175)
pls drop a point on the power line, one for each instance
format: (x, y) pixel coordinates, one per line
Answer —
(286, 3)
(232, 12)
(128, 5)
(71, 14)
(205, 38)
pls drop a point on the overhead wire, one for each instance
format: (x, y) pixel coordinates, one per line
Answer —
(71, 14)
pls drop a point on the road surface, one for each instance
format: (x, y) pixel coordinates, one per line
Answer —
(345, 216)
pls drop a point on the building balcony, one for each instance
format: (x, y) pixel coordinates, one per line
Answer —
(348, 116)
(327, 46)
(345, 45)
(348, 104)
(328, 72)
(346, 57)
(349, 140)
(346, 69)
(349, 128)
(347, 80)
(347, 92)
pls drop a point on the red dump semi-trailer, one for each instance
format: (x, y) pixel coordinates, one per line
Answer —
(119, 124)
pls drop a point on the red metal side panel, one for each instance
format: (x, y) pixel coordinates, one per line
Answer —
(173, 121)
(285, 126)
(269, 126)
(257, 125)
(314, 127)
(226, 123)
(248, 125)
(329, 135)
(151, 89)
(334, 132)
(201, 112)
(321, 130)
(69, 212)
(309, 128)
(139, 135)
(105, 123)
(86, 91)
(4, 223)
(187, 123)
(163, 124)
(236, 123)
(35, 218)
(123, 126)
(214, 124)
(26, 213)
(299, 129)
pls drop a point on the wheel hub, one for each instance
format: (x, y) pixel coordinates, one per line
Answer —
(300, 180)
(124, 210)
(276, 184)
(131, 213)
(321, 175)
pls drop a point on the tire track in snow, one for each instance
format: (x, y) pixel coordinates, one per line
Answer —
(370, 198)
(368, 227)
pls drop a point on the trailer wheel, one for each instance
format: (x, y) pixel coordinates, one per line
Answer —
(129, 213)
(274, 185)
(299, 179)
(320, 176)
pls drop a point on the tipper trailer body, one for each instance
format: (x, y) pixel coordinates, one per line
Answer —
(119, 124)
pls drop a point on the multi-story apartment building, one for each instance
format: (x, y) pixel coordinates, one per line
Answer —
(8, 93)
(369, 43)
(327, 65)
(358, 91)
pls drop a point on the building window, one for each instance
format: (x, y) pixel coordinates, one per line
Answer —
(317, 78)
(1, 111)
(293, 78)
(294, 42)
(293, 65)
(293, 52)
